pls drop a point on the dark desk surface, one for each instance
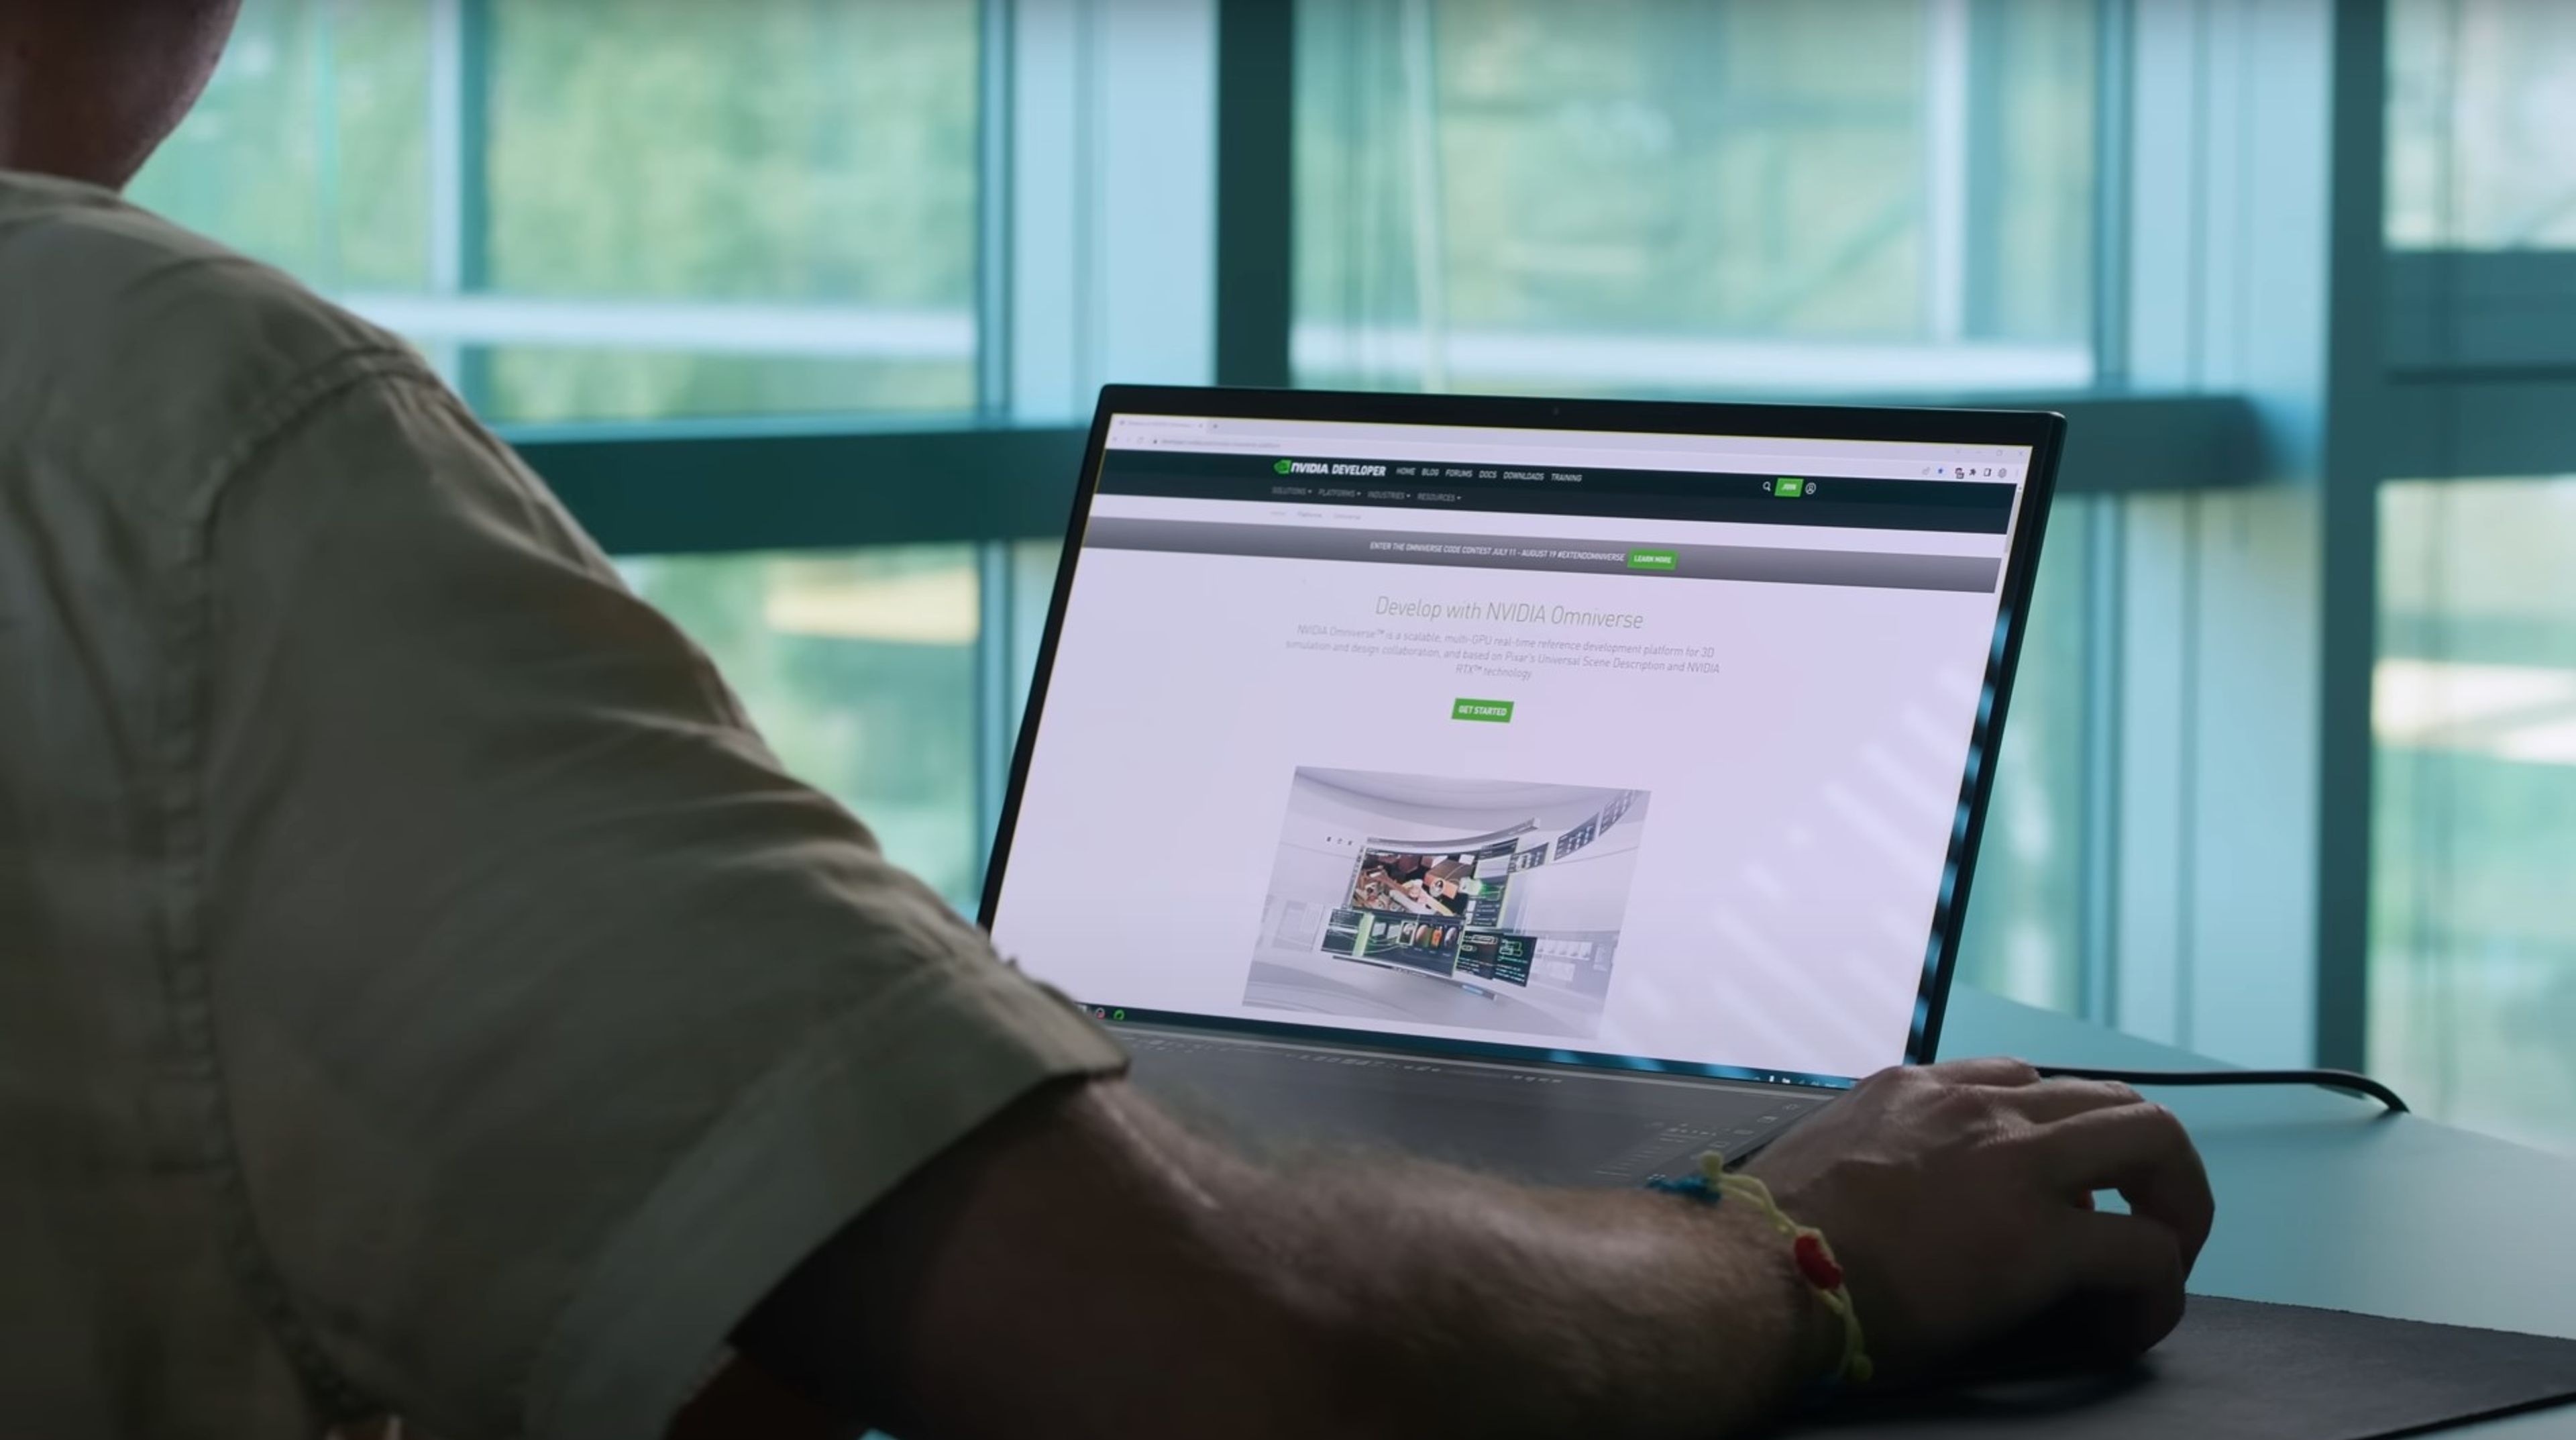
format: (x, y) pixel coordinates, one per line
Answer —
(2323, 1200)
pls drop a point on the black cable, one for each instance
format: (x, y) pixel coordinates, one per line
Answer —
(2349, 1081)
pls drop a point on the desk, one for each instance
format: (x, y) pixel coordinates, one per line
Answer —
(2323, 1200)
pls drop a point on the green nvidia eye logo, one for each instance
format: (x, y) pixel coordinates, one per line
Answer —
(1282, 467)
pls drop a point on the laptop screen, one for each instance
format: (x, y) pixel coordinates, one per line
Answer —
(1626, 748)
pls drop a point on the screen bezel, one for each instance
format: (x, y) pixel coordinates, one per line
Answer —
(2043, 432)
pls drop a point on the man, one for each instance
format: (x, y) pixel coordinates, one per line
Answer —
(421, 994)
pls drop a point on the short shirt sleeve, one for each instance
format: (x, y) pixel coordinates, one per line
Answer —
(556, 1024)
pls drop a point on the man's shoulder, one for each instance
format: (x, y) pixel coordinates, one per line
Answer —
(106, 271)
(133, 338)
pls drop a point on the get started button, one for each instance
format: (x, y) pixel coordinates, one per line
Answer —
(1493, 712)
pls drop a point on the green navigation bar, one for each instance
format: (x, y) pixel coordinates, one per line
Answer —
(1492, 712)
(1653, 560)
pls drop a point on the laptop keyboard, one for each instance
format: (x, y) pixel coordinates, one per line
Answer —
(1568, 1127)
(1481, 1073)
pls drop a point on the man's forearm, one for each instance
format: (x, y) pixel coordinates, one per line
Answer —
(1090, 1268)
(1483, 1308)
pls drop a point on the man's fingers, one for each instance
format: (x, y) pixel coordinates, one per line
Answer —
(2143, 1152)
(2126, 1274)
(2121, 1252)
(2058, 1099)
(1985, 1070)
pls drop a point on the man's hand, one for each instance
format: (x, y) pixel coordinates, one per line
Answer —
(1959, 1198)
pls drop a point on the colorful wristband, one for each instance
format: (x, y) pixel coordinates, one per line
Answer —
(1808, 1249)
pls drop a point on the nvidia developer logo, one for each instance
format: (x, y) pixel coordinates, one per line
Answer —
(1355, 469)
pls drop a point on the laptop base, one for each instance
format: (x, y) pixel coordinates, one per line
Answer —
(1545, 1125)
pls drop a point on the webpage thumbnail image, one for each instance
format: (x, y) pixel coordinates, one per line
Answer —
(1479, 904)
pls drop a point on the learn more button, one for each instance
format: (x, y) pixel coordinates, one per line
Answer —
(1653, 560)
(1492, 712)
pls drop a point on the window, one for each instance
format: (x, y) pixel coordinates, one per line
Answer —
(2471, 985)
(2480, 214)
(771, 226)
(2481, 124)
(2473, 943)
(1622, 196)
(481, 175)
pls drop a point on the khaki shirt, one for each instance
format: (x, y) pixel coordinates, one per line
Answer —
(420, 989)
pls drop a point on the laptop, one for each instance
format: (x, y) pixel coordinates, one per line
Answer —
(1559, 788)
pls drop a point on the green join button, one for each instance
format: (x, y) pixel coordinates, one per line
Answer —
(1496, 712)
(1653, 560)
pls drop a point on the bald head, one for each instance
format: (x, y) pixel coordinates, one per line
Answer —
(89, 87)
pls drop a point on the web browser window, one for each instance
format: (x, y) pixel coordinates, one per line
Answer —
(1615, 745)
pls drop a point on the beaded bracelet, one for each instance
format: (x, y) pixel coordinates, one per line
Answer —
(1807, 1247)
